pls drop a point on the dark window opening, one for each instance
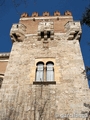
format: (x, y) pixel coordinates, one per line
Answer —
(42, 34)
(48, 34)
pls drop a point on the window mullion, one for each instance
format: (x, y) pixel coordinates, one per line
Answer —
(44, 72)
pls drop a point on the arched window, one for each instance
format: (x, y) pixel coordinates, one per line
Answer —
(40, 71)
(50, 71)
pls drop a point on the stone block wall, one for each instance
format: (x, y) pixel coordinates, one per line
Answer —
(32, 23)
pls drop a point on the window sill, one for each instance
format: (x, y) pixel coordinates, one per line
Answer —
(44, 82)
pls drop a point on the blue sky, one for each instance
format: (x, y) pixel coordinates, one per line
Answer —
(10, 11)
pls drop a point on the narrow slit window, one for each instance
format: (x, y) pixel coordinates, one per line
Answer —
(48, 34)
(42, 34)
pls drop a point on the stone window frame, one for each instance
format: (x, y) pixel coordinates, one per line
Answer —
(45, 81)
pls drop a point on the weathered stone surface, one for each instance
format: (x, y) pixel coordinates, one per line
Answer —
(24, 15)
(46, 13)
(56, 13)
(17, 32)
(35, 14)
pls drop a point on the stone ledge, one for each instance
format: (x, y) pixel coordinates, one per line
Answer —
(1, 75)
(4, 55)
(44, 82)
(47, 17)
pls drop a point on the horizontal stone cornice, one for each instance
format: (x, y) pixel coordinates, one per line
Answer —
(48, 17)
(4, 55)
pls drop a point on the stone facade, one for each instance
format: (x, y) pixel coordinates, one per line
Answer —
(43, 39)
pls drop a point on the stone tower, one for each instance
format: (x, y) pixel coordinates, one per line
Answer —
(44, 78)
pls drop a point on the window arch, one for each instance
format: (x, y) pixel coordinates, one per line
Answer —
(40, 71)
(49, 71)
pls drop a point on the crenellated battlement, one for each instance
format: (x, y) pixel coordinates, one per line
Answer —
(43, 26)
(46, 13)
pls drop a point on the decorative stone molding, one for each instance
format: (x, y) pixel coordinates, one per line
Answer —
(45, 44)
(1, 75)
(56, 13)
(35, 14)
(48, 26)
(73, 30)
(46, 14)
(4, 55)
(45, 30)
(24, 15)
(17, 32)
(68, 13)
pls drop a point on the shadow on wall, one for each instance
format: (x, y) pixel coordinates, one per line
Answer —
(1, 79)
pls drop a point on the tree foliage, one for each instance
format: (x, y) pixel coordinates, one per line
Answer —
(86, 17)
